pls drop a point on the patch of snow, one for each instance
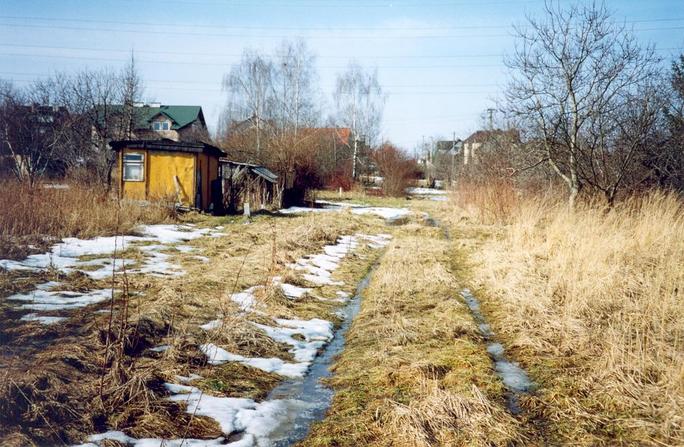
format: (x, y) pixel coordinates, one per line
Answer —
(384, 212)
(439, 198)
(342, 295)
(184, 248)
(425, 191)
(316, 333)
(160, 348)
(294, 292)
(43, 319)
(217, 356)
(99, 439)
(201, 258)
(213, 324)
(171, 234)
(188, 378)
(45, 300)
(259, 423)
(245, 299)
(302, 209)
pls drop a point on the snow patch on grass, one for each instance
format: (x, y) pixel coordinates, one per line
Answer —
(66, 257)
(218, 356)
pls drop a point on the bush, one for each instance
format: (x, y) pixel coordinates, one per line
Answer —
(396, 168)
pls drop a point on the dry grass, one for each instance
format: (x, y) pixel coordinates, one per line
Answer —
(592, 302)
(30, 216)
(60, 367)
(414, 371)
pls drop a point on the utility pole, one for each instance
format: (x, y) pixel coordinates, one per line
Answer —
(490, 111)
(453, 156)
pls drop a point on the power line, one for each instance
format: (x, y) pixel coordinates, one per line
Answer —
(228, 64)
(171, 81)
(300, 28)
(277, 36)
(181, 53)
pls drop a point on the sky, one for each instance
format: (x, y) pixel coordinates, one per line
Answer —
(439, 61)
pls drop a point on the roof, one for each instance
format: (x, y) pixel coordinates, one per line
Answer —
(261, 171)
(482, 136)
(340, 135)
(180, 116)
(169, 146)
(448, 145)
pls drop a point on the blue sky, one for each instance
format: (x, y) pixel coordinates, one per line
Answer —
(440, 61)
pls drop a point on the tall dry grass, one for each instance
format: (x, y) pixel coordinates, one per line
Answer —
(592, 300)
(31, 215)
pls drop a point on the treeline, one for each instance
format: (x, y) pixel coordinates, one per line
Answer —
(596, 112)
(63, 124)
(277, 115)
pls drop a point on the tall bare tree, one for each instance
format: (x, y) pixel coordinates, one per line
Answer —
(251, 92)
(34, 132)
(576, 82)
(295, 86)
(359, 101)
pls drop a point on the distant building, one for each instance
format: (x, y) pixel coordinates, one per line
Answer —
(487, 139)
(156, 121)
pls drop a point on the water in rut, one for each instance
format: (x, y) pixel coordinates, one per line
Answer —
(514, 378)
(310, 388)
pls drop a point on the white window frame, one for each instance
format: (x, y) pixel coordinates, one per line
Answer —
(134, 162)
(159, 126)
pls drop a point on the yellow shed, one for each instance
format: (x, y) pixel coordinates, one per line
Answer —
(173, 171)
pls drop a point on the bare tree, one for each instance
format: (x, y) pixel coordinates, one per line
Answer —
(360, 101)
(251, 92)
(666, 159)
(295, 87)
(576, 75)
(32, 131)
(104, 100)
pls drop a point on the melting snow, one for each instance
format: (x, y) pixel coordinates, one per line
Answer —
(65, 256)
(42, 299)
(425, 191)
(44, 319)
(384, 212)
(218, 356)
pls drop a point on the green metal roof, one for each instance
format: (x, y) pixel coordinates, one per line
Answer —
(180, 116)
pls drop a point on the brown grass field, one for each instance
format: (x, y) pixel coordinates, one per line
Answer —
(588, 301)
(35, 216)
(591, 301)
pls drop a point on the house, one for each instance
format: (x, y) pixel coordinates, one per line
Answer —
(177, 171)
(155, 121)
(486, 140)
(243, 183)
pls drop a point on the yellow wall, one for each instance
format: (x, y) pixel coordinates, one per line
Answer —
(163, 167)
(160, 169)
(209, 168)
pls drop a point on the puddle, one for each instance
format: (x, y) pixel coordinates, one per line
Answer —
(309, 388)
(514, 378)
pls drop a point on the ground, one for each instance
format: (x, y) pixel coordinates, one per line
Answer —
(205, 318)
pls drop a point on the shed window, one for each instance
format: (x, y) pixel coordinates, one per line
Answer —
(161, 125)
(133, 165)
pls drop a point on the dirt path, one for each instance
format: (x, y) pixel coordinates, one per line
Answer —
(415, 371)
